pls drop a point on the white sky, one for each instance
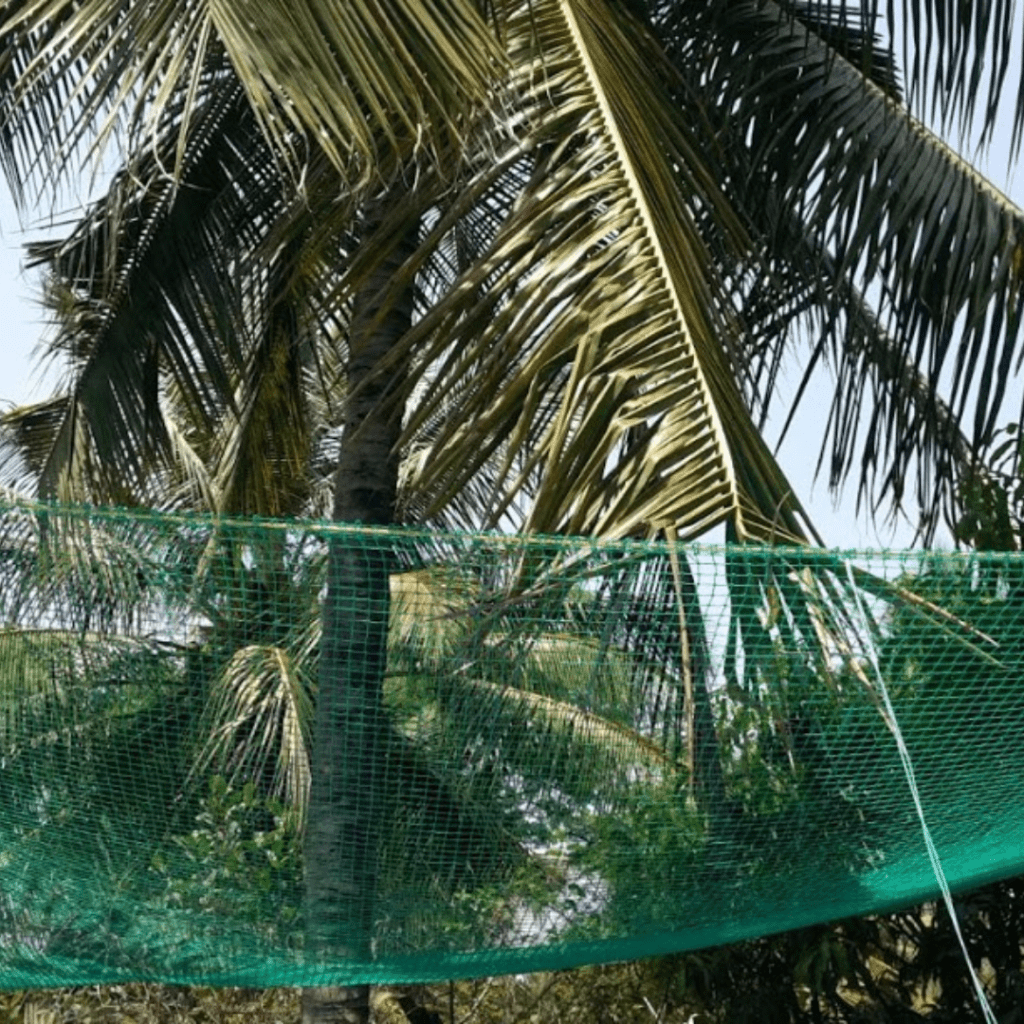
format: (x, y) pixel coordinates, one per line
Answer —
(23, 316)
(23, 379)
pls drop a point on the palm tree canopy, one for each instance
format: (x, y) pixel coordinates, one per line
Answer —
(335, 78)
(628, 217)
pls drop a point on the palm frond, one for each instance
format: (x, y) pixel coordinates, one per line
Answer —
(951, 60)
(257, 723)
(263, 459)
(910, 444)
(178, 330)
(608, 370)
(318, 77)
(828, 157)
(91, 576)
(80, 709)
(848, 196)
(120, 324)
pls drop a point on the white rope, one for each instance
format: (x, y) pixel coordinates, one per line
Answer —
(889, 715)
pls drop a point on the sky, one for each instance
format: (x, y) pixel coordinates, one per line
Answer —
(25, 378)
(23, 317)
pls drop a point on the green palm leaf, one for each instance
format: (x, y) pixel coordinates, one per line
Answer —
(850, 195)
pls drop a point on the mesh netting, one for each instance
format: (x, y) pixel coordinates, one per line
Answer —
(289, 753)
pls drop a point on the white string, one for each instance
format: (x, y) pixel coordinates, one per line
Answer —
(889, 715)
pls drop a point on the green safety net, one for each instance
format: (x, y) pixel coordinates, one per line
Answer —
(289, 753)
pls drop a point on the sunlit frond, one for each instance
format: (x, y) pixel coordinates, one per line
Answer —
(328, 77)
(588, 343)
(258, 721)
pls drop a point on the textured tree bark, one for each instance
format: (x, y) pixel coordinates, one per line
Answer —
(347, 776)
(709, 779)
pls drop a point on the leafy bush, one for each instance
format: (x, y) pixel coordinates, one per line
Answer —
(243, 861)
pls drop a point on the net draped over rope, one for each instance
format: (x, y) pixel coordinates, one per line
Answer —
(269, 753)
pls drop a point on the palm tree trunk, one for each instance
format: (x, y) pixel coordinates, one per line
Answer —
(709, 780)
(349, 725)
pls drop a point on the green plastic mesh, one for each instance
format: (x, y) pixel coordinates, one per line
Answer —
(296, 754)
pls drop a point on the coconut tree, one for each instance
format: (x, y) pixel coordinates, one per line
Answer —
(558, 251)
